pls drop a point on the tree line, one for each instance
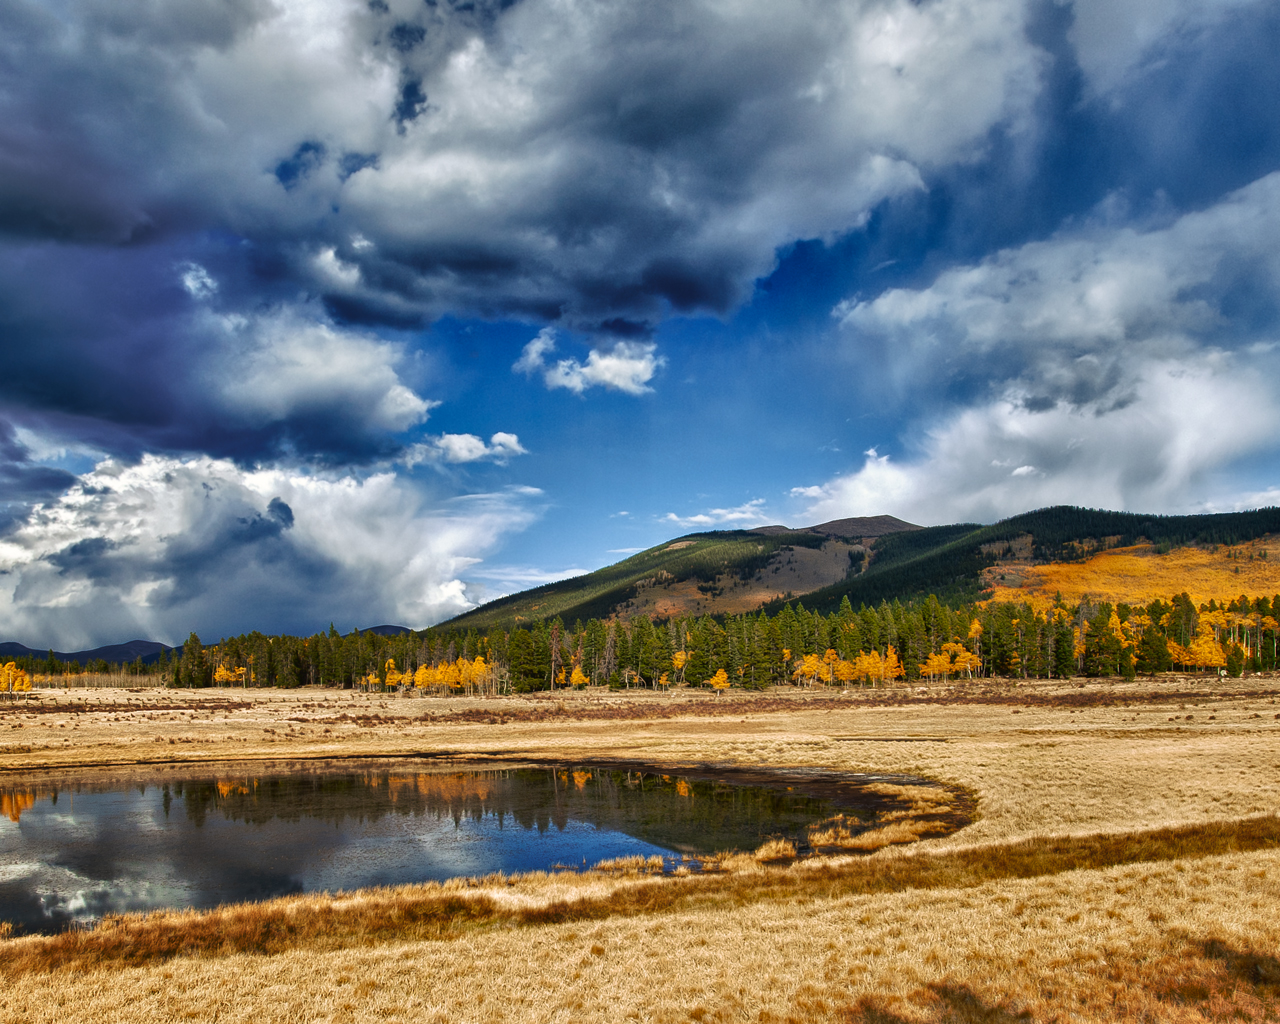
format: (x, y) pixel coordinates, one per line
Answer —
(893, 642)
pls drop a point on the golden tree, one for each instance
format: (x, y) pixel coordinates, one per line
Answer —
(893, 668)
(936, 665)
(1206, 652)
(719, 681)
(678, 661)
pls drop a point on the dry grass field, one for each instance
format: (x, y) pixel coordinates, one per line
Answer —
(1124, 864)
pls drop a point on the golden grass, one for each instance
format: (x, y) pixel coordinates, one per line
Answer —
(1137, 575)
(1122, 868)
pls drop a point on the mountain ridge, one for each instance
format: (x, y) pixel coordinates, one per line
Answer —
(730, 572)
(131, 650)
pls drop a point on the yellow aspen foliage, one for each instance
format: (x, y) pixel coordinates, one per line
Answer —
(869, 666)
(14, 679)
(1206, 652)
(844, 671)
(936, 665)
(579, 678)
(963, 660)
(893, 668)
(719, 681)
(809, 668)
(664, 681)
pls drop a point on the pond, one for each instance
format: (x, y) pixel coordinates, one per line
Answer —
(72, 851)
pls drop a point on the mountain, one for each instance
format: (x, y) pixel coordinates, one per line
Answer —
(147, 650)
(950, 561)
(720, 572)
(385, 630)
(867, 560)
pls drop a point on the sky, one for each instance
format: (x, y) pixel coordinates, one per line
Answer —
(367, 311)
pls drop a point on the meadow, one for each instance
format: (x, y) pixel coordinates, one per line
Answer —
(1124, 863)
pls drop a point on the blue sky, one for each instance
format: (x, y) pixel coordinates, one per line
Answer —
(367, 311)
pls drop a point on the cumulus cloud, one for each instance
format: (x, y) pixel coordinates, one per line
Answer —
(153, 548)
(460, 448)
(282, 365)
(1158, 452)
(1116, 369)
(628, 366)
(744, 516)
(1074, 318)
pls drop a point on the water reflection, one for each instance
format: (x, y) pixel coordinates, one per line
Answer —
(77, 852)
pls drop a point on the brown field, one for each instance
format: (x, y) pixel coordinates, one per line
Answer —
(1124, 865)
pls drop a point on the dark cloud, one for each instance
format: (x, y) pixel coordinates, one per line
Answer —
(23, 481)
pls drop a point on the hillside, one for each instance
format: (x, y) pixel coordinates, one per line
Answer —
(715, 573)
(1108, 555)
(1140, 574)
(958, 561)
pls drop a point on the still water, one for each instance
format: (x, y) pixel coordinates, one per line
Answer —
(74, 851)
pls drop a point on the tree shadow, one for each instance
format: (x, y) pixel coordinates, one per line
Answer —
(1258, 970)
(951, 1004)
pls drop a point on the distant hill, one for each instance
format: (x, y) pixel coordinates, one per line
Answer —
(147, 650)
(867, 560)
(723, 571)
(861, 528)
(385, 630)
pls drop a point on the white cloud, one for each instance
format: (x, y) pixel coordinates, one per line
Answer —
(533, 356)
(167, 545)
(1114, 39)
(460, 448)
(197, 281)
(1113, 372)
(628, 366)
(1150, 455)
(286, 363)
(744, 516)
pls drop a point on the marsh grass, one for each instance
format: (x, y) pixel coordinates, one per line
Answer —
(440, 912)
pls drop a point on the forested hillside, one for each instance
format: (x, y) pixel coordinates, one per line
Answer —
(949, 560)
